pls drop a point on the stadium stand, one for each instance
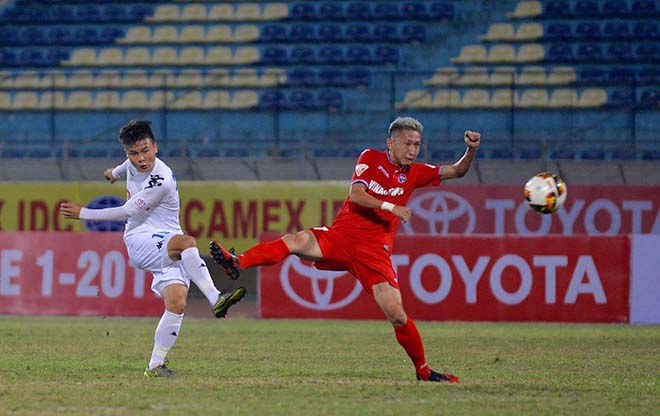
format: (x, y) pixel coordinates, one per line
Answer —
(298, 77)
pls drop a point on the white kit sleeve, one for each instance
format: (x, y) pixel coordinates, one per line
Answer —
(105, 214)
(121, 169)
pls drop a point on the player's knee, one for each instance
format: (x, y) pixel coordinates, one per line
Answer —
(177, 305)
(188, 241)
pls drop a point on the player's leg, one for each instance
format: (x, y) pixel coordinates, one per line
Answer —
(184, 248)
(168, 329)
(302, 243)
(389, 300)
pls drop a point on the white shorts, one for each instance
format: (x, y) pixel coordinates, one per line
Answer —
(148, 251)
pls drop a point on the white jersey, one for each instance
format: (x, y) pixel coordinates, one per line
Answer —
(154, 197)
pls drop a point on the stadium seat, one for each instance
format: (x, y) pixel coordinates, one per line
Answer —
(359, 11)
(330, 33)
(241, 100)
(503, 98)
(245, 34)
(301, 100)
(214, 100)
(275, 55)
(219, 55)
(137, 56)
(563, 98)
(646, 30)
(615, 9)
(194, 12)
(220, 12)
(272, 100)
(386, 55)
(302, 33)
(498, 54)
(533, 98)
(592, 97)
(165, 55)
(303, 11)
(51, 100)
(526, 9)
(302, 55)
(644, 8)
(499, 32)
(562, 154)
(331, 78)
(358, 78)
(360, 55)
(108, 79)
(330, 100)
(188, 100)
(589, 52)
(417, 99)
(593, 76)
(273, 33)
(474, 75)
(188, 78)
(586, 8)
(25, 100)
(443, 76)
(647, 52)
(387, 32)
(218, 77)
(106, 100)
(529, 32)
(530, 52)
(471, 54)
(110, 57)
(592, 154)
(247, 12)
(648, 76)
(475, 98)
(27, 79)
(330, 55)
(558, 32)
(622, 97)
(78, 100)
(616, 31)
(559, 53)
(302, 77)
(165, 34)
(386, 11)
(135, 99)
(531, 75)
(446, 99)
(620, 52)
(244, 77)
(192, 34)
(358, 33)
(587, 31)
(271, 77)
(165, 13)
(441, 11)
(245, 55)
(274, 11)
(557, 9)
(619, 76)
(330, 11)
(414, 11)
(137, 34)
(502, 154)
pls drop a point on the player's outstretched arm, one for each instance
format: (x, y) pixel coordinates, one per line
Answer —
(70, 210)
(461, 167)
(109, 176)
(359, 195)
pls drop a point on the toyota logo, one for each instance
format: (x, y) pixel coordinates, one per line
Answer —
(440, 209)
(320, 299)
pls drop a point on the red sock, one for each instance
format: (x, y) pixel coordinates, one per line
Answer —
(264, 254)
(409, 338)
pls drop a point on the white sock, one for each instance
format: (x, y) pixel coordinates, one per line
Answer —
(167, 332)
(199, 273)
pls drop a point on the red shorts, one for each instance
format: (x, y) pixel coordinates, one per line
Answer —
(369, 263)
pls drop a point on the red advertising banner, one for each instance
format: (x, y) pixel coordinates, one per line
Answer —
(486, 278)
(501, 209)
(63, 273)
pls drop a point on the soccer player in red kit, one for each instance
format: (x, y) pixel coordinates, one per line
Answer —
(361, 237)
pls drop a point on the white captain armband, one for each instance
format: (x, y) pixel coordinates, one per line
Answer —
(387, 206)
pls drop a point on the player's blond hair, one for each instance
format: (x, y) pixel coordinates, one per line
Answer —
(404, 123)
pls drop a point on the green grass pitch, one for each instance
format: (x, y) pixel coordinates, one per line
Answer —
(93, 366)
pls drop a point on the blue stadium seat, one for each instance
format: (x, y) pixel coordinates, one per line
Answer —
(413, 32)
(558, 32)
(593, 154)
(647, 52)
(414, 11)
(331, 78)
(559, 52)
(330, 33)
(619, 76)
(273, 33)
(565, 154)
(31, 57)
(556, 9)
(386, 55)
(86, 35)
(651, 155)
(620, 52)
(302, 55)
(624, 154)
(271, 100)
(110, 34)
(386, 11)
(9, 36)
(615, 9)
(358, 33)
(302, 11)
(360, 55)
(588, 31)
(621, 98)
(586, 8)
(616, 31)
(115, 13)
(530, 154)
(302, 33)
(8, 58)
(644, 8)
(646, 30)
(386, 32)
(331, 11)
(60, 35)
(358, 11)
(301, 100)
(54, 56)
(302, 77)
(441, 11)
(358, 78)
(140, 11)
(62, 14)
(650, 98)
(502, 154)
(88, 13)
(589, 52)
(32, 36)
(275, 55)
(649, 76)
(330, 55)
(330, 100)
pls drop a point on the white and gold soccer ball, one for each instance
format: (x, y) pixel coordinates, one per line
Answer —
(545, 192)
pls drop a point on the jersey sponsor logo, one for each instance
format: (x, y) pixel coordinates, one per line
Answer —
(141, 203)
(359, 169)
(321, 297)
(402, 178)
(385, 172)
(376, 188)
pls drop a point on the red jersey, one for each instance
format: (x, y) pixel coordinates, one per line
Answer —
(386, 181)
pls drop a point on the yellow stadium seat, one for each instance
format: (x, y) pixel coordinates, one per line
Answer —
(134, 99)
(443, 76)
(245, 77)
(189, 78)
(216, 100)
(474, 75)
(191, 55)
(50, 100)
(500, 32)
(158, 99)
(247, 11)
(81, 57)
(530, 52)
(245, 55)
(272, 76)
(110, 57)
(275, 11)
(137, 34)
(219, 33)
(164, 55)
(189, 100)
(6, 79)
(80, 79)
(194, 12)
(501, 54)
(563, 98)
(416, 99)
(526, 9)
(162, 78)
(592, 97)
(108, 79)
(503, 98)
(531, 75)
(533, 98)
(503, 75)
(244, 99)
(192, 34)
(137, 56)
(134, 78)
(79, 100)
(245, 33)
(5, 100)
(107, 100)
(27, 79)
(560, 75)
(221, 12)
(165, 13)
(529, 31)
(219, 55)
(25, 100)
(471, 54)
(446, 99)
(165, 34)
(475, 98)
(218, 77)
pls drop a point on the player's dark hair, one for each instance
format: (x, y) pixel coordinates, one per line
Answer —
(135, 131)
(404, 123)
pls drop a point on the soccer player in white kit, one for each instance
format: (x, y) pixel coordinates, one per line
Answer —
(154, 239)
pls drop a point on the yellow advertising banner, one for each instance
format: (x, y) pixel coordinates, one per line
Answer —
(235, 213)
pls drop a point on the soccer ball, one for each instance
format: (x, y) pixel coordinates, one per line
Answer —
(545, 192)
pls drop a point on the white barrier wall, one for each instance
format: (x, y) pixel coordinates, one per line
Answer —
(645, 279)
